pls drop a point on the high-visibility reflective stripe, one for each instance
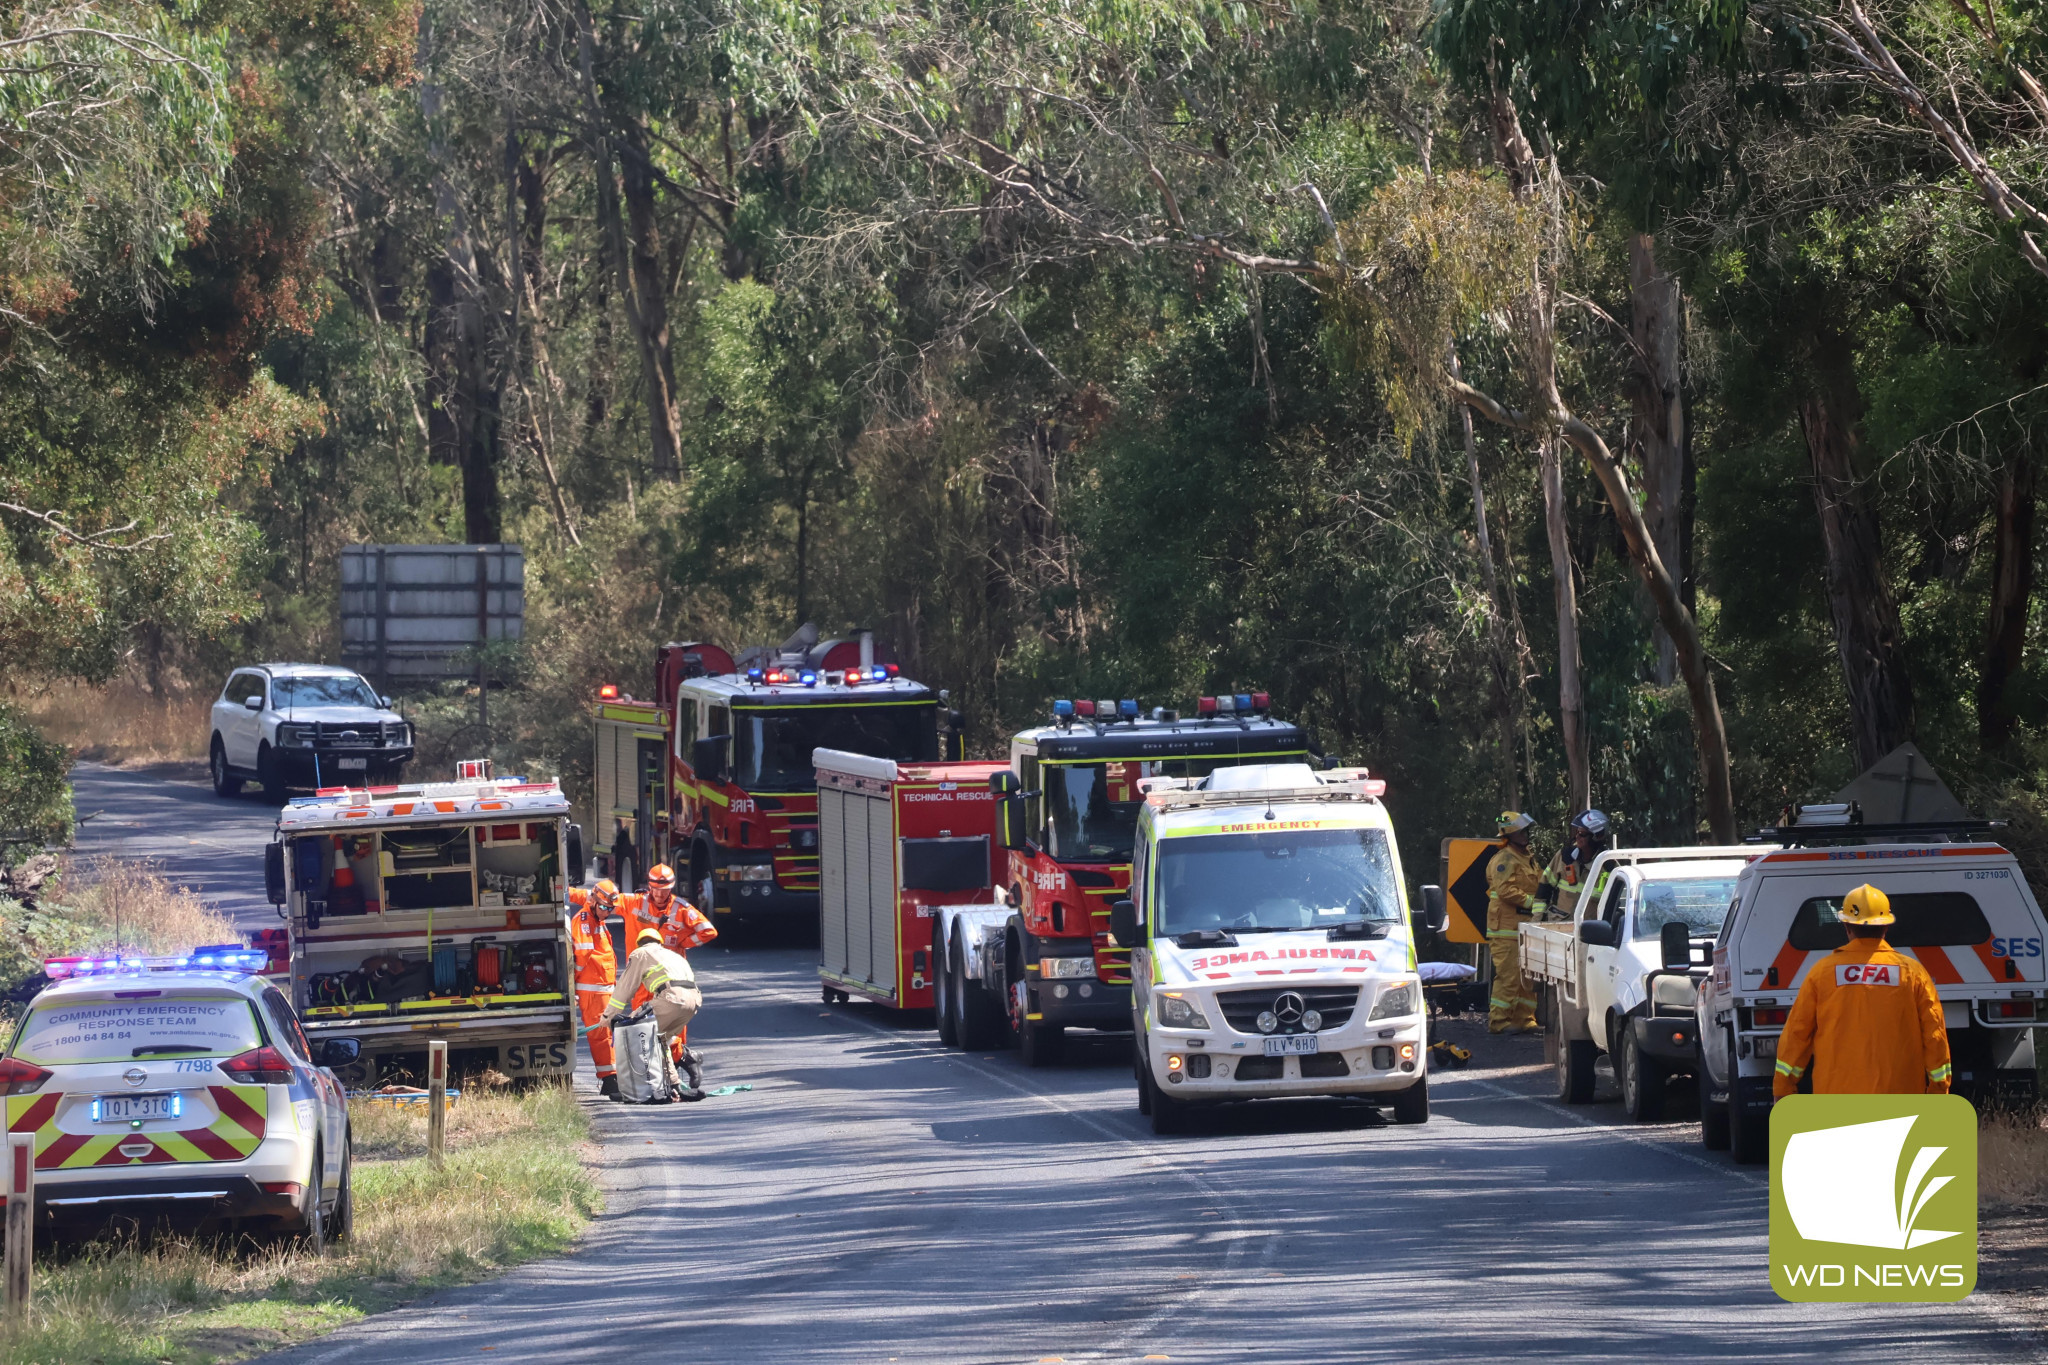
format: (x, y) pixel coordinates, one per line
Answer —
(1786, 1068)
(655, 979)
(1938, 1073)
(1503, 933)
(618, 1003)
(594, 987)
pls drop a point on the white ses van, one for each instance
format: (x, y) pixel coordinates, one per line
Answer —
(1964, 911)
(1272, 953)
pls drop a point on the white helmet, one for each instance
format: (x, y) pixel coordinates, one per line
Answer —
(1593, 822)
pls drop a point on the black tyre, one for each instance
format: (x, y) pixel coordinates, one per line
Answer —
(341, 1224)
(1169, 1116)
(700, 876)
(977, 1018)
(1713, 1117)
(942, 992)
(270, 772)
(1412, 1104)
(1042, 1044)
(1138, 1075)
(1642, 1078)
(225, 783)
(1571, 1061)
(1749, 1135)
(311, 1231)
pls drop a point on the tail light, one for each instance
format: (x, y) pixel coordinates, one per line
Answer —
(259, 1066)
(20, 1078)
(1998, 1009)
(290, 1187)
(1769, 1018)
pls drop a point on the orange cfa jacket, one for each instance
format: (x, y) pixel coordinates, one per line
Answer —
(1867, 1021)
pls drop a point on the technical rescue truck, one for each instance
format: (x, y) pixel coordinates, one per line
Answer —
(428, 912)
(1963, 910)
(714, 775)
(1042, 961)
(1271, 948)
(899, 844)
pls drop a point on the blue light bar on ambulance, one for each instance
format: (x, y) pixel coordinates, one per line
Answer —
(227, 959)
(1062, 709)
(809, 679)
(1244, 701)
(1127, 708)
(755, 675)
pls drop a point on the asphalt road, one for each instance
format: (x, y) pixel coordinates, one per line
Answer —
(875, 1198)
(168, 816)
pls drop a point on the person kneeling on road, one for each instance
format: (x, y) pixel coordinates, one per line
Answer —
(1867, 1020)
(672, 988)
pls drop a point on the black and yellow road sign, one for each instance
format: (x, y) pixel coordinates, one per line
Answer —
(1464, 883)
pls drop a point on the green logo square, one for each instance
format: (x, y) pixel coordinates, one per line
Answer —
(1873, 1198)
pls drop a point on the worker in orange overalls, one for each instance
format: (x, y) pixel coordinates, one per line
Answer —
(1867, 1020)
(597, 968)
(682, 927)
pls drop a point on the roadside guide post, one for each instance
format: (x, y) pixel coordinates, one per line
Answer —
(21, 1215)
(437, 1100)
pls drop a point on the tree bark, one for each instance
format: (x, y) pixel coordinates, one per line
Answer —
(2012, 593)
(1868, 637)
(1709, 731)
(1659, 425)
(1571, 692)
(1501, 647)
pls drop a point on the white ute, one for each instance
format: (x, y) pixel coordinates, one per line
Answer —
(1964, 911)
(1271, 949)
(1621, 976)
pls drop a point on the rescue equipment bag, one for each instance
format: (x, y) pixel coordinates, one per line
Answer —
(490, 967)
(641, 1060)
(537, 972)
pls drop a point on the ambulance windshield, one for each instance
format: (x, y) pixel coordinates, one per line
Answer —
(1277, 881)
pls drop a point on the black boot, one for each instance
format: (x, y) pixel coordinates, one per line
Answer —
(693, 1068)
(608, 1088)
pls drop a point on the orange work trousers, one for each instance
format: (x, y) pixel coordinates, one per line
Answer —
(590, 1005)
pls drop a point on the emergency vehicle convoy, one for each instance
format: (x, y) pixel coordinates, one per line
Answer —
(1964, 911)
(1036, 958)
(714, 777)
(431, 912)
(1271, 948)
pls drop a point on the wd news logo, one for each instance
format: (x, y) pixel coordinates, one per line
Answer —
(1873, 1198)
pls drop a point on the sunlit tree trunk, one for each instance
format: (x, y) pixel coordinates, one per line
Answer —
(1659, 425)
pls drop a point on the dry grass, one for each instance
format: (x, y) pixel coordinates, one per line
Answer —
(2012, 1161)
(135, 908)
(123, 722)
(513, 1188)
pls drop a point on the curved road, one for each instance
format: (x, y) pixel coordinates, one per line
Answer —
(875, 1199)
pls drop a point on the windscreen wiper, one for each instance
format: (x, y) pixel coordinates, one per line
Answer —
(1360, 928)
(154, 1048)
(1205, 938)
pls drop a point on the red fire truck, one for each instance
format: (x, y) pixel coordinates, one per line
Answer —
(1067, 811)
(714, 777)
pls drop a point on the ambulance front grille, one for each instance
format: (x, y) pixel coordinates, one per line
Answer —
(1241, 1009)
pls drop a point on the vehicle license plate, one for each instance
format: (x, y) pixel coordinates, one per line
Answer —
(1767, 1047)
(1301, 1042)
(130, 1108)
(351, 762)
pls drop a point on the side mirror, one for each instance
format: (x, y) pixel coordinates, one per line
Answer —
(1677, 945)
(253, 703)
(1004, 784)
(340, 1052)
(1597, 933)
(384, 702)
(572, 862)
(273, 873)
(1435, 914)
(1123, 924)
(1010, 832)
(708, 757)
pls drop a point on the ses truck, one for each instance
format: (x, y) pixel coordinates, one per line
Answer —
(428, 912)
(1271, 948)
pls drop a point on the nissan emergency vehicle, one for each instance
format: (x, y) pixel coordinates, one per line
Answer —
(1271, 948)
(181, 1090)
(1964, 911)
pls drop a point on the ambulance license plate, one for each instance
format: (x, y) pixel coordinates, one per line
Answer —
(351, 762)
(135, 1108)
(1303, 1042)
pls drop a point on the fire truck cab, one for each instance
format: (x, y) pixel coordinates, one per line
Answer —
(1067, 814)
(714, 776)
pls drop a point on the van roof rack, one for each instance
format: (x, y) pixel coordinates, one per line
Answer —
(1928, 832)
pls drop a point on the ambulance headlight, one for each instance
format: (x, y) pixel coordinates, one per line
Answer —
(1175, 1012)
(1394, 1003)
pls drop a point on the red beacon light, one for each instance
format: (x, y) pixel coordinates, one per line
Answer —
(1262, 702)
(1084, 708)
(609, 692)
(1205, 706)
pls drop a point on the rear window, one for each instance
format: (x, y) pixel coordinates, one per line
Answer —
(71, 1032)
(1930, 919)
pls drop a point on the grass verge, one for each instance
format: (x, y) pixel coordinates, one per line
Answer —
(2012, 1160)
(513, 1189)
(124, 722)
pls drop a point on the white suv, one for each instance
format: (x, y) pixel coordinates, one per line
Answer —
(304, 725)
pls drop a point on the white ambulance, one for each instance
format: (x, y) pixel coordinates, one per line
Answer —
(1272, 953)
(1963, 910)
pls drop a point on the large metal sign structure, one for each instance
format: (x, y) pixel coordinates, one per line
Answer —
(418, 613)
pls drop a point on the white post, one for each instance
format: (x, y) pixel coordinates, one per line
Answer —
(437, 1099)
(21, 1221)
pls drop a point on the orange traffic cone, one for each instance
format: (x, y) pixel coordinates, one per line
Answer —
(342, 895)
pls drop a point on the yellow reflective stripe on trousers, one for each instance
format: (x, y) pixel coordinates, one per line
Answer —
(1503, 933)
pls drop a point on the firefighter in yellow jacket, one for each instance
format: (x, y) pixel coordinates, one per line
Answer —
(1511, 879)
(1867, 1020)
(672, 986)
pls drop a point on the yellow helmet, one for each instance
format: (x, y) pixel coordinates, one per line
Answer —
(647, 936)
(1867, 905)
(1513, 821)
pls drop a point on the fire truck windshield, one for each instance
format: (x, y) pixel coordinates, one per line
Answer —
(1091, 809)
(1296, 879)
(772, 749)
